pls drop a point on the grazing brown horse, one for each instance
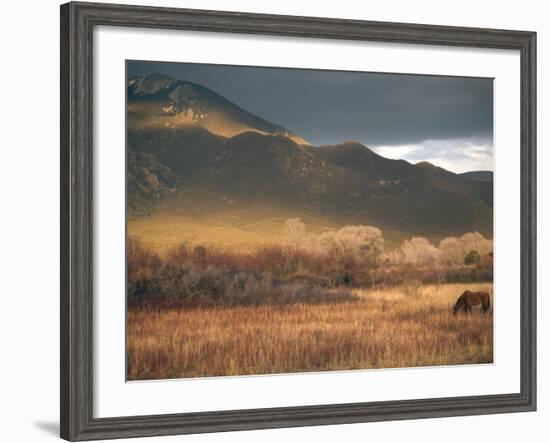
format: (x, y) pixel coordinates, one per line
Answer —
(469, 299)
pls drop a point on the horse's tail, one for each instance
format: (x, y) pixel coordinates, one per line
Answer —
(487, 304)
(458, 305)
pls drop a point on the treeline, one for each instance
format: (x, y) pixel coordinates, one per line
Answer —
(367, 242)
(306, 269)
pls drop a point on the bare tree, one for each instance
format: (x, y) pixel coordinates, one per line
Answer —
(351, 241)
(474, 241)
(419, 251)
(295, 232)
(453, 250)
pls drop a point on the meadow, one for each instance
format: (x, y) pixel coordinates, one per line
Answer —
(334, 300)
(404, 326)
(252, 251)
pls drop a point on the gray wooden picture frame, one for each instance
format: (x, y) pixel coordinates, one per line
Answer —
(77, 24)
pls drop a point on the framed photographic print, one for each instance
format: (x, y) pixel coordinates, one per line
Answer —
(273, 221)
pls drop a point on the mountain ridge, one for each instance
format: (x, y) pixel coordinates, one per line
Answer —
(200, 171)
(486, 176)
(158, 101)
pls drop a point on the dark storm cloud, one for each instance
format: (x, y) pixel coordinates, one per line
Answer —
(379, 110)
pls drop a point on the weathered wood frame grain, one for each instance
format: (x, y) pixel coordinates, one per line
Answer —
(77, 24)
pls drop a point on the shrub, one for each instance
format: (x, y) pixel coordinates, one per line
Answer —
(314, 269)
(472, 258)
(179, 255)
(200, 256)
(193, 286)
(141, 262)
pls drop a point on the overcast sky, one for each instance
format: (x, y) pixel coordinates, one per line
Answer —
(447, 121)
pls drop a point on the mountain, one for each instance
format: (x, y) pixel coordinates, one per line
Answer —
(159, 102)
(147, 180)
(256, 168)
(482, 176)
(192, 170)
(473, 188)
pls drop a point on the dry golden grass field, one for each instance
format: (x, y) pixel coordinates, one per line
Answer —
(240, 230)
(405, 326)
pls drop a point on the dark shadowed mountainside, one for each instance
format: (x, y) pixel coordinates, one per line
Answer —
(482, 176)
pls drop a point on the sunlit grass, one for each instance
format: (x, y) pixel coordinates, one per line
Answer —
(405, 326)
